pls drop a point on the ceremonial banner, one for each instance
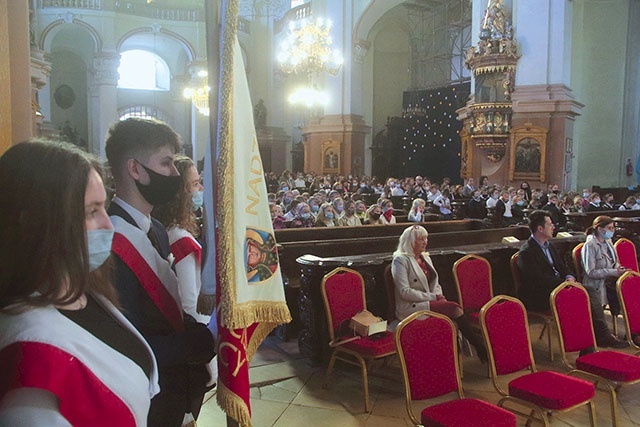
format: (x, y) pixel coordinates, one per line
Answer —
(250, 293)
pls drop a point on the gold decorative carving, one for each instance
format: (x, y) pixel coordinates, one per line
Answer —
(528, 153)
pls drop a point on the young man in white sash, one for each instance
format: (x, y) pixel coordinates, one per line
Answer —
(141, 154)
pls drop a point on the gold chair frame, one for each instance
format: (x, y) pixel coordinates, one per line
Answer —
(611, 387)
(353, 357)
(541, 412)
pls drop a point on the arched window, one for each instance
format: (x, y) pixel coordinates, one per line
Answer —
(143, 111)
(141, 69)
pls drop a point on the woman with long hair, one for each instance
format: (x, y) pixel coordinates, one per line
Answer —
(417, 286)
(58, 309)
(178, 217)
(326, 216)
(601, 270)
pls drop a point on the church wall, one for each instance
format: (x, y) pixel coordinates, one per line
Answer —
(598, 78)
(391, 77)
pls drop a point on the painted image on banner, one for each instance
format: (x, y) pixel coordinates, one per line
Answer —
(261, 255)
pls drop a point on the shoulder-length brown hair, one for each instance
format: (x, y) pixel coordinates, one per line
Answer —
(179, 210)
(599, 221)
(43, 245)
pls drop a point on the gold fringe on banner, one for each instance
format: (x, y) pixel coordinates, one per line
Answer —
(233, 406)
(224, 206)
(250, 313)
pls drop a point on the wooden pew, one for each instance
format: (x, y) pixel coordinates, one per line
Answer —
(337, 241)
(579, 221)
(373, 256)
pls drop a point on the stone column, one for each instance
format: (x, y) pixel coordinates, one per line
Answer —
(543, 94)
(103, 99)
(15, 86)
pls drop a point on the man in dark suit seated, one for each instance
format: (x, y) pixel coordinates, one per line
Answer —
(542, 269)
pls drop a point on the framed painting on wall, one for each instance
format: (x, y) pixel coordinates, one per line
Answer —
(528, 149)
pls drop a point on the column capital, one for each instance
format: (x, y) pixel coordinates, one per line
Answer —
(105, 68)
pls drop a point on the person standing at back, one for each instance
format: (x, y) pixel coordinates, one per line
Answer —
(141, 153)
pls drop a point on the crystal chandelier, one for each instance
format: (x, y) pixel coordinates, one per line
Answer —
(307, 49)
(199, 95)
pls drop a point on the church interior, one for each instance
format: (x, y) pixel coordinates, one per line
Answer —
(544, 91)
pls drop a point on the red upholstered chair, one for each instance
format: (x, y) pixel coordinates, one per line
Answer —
(546, 318)
(628, 287)
(627, 256)
(506, 332)
(343, 294)
(576, 256)
(427, 348)
(570, 305)
(391, 296)
(472, 274)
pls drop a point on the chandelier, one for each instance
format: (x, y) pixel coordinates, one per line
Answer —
(199, 95)
(307, 49)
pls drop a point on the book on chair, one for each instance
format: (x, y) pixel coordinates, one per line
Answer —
(365, 324)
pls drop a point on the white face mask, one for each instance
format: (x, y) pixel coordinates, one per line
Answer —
(99, 246)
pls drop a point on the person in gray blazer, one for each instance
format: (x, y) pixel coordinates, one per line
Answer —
(417, 286)
(601, 270)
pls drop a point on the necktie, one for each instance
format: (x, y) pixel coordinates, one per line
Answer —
(154, 240)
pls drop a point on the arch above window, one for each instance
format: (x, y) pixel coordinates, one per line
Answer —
(143, 70)
(143, 111)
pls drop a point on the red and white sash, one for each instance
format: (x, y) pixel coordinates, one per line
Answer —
(95, 385)
(184, 244)
(154, 273)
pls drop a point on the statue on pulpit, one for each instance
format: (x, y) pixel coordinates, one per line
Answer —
(260, 114)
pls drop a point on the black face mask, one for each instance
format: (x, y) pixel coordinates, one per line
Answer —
(375, 215)
(161, 188)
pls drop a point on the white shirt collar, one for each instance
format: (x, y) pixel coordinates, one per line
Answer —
(143, 221)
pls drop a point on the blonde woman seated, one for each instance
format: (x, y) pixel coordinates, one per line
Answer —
(326, 216)
(417, 286)
(416, 214)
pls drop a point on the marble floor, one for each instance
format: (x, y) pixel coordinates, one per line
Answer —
(287, 391)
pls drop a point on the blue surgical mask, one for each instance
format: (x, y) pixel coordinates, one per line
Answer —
(596, 201)
(339, 208)
(287, 200)
(328, 215)
(197, 198)
(315, 208)
(608, 234)
(305, 215)
(99, 246)
(285, 188)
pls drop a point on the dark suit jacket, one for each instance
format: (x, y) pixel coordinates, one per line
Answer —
(180, 355)
(538, 276)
